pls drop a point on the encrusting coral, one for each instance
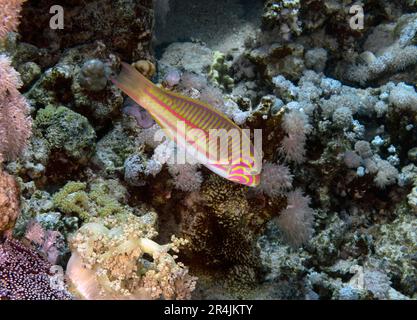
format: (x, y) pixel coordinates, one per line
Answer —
(67, 131)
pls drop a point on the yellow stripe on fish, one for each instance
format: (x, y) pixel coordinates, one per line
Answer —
(197, 127)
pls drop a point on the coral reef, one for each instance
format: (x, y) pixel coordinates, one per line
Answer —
(89, 182)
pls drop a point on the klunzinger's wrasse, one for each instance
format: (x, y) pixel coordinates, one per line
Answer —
(201, 130)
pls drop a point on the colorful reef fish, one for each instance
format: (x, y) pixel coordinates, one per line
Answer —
(197, 128)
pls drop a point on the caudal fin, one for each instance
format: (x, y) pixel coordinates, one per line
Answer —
(131, 82)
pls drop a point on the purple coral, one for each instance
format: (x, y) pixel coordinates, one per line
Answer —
(25, 275)
(143, 118)
(172, 78)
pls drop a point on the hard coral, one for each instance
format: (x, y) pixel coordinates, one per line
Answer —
(93, 75)
(25, 275)
(9, 201)
(218, 224)
(219, 72)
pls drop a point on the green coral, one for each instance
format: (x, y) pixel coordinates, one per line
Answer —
(219, 72)
(68, 131)
(99, 198)
(72, 199)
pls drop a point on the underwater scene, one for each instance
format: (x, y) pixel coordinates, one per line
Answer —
(208, 150)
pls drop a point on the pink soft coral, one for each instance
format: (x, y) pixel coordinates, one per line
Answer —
(296, 125)
(276, 179)
(9, 16)
(296, 221)
(15, 124)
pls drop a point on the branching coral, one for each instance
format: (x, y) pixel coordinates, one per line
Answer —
(398, 53)
(284, 15)
(404, 97)
(109, 260)
(25, 275)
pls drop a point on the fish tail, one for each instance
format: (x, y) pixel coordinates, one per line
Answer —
(132, 82)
